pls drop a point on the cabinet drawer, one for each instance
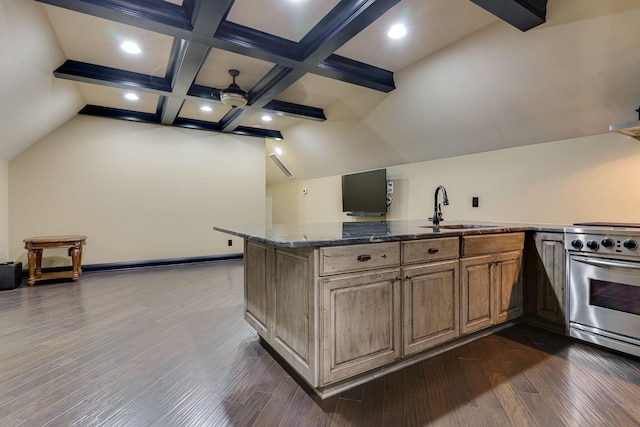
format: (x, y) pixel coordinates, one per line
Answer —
(342, 259)
(492, 243)
(430, 250)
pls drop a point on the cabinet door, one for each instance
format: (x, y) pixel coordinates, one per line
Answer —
(360, 323)
(549, 280)
(477, 293)
(430, 305)
(255, 286)
(508, 282)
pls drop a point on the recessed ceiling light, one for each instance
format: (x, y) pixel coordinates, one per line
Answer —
(279, 151)
(206, 109)
(130, 47)
(397, 31)
(131, 96)
(266, 118)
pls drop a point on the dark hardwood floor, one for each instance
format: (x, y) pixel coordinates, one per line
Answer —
(167, 346)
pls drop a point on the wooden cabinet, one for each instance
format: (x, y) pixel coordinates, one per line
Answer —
(545, 279)
(430, 305)
(342, 313)
(280, 304)
(491, 285)
(508, 282)
(360, 323)
(477, 294)
(345, 259)
(255, 286)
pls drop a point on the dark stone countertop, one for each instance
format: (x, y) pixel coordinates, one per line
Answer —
(348, 233)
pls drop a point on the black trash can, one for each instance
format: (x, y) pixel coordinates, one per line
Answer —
(10, 275)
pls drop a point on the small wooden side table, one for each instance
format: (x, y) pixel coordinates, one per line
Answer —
(35, 245)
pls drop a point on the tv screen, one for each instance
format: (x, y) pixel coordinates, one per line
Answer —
(365, 192)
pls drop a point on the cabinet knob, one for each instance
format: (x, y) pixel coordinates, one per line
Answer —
(432, 251)
(363, 258)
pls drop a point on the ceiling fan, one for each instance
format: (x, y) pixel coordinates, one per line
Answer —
(233, 96)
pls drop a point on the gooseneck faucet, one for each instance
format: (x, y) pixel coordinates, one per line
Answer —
(437, 209)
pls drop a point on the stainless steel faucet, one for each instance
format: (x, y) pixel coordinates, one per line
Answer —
(437, 209)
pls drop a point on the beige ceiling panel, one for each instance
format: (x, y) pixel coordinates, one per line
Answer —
(97, 41)
(289, 19)
(192, 110)
(320, 92)
(215, 70)
(431, 25)
(106, 96)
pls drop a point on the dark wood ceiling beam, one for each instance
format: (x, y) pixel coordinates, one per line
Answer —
(206, 15)
(186, 60)
(193, 25)
(153, 15)
(522, 14)
(113, 77)
(341, 24)
(106, 76)
(295, 110)
(187, 56)
(348, 70)
(271, 85)
(116, 113)
(215, 127)
(172, 20)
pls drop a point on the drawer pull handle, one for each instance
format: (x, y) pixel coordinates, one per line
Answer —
(432, 251)
(363, 258)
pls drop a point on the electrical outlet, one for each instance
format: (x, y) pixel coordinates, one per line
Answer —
(390, 187)
(229, 242)
(474, 202)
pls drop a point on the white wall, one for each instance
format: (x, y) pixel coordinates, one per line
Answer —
(138, 191)
(593, 178)
(4, 210)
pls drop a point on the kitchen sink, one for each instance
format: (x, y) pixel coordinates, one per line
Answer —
(460, 226)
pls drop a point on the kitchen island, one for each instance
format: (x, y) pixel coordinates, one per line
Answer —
(343, 303)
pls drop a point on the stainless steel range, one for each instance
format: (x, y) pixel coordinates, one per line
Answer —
(603, 284)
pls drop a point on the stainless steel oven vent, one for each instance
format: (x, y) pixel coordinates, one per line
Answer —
(285, 170)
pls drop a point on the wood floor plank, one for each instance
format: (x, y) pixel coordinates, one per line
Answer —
(168, 346)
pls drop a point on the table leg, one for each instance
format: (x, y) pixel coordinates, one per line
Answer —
(38, 262)
(75, 261)
(31, 256)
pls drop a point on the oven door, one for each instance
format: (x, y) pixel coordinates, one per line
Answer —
(604, 295)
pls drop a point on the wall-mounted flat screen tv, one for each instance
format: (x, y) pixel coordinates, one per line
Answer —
(365, 193)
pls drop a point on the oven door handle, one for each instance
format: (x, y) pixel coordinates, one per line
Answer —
(607, 263)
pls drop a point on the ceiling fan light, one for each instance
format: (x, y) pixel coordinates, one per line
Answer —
(233, 99)
(233, 96)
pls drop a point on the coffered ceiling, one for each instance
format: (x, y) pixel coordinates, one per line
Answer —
(295, 57)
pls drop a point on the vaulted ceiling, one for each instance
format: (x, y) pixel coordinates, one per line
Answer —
(298, 60)
(193, 43)
(295, 57)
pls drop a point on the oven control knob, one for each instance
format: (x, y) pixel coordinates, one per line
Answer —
(577, 244)
(630, 244)
(593, 245)
(608, 242)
